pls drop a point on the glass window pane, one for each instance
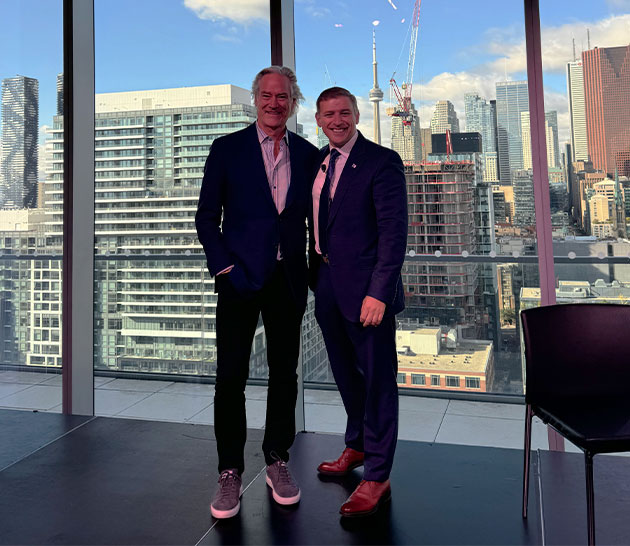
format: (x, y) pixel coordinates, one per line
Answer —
(156, 118)
(585, 82)
(31, 202)
(457, 112)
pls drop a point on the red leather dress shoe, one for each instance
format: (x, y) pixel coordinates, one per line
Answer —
(348, 460)
(366, 498)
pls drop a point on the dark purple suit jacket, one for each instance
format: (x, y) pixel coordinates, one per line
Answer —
(367, 230)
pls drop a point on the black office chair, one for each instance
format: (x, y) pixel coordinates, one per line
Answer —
(577, 359)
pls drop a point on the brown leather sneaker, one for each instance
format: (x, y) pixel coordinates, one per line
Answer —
(348, 460)
(366, 498)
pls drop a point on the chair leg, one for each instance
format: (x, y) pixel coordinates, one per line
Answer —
(527, 448)
(590, 497)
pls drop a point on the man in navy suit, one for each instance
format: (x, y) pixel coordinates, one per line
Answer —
(357, 248)
(251, 222)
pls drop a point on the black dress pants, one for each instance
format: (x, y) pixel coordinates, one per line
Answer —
(236, 320)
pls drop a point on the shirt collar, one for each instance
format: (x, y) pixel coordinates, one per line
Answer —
(262, 136)
(347, 147)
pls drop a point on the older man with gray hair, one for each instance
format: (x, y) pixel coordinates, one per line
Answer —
(251, 221)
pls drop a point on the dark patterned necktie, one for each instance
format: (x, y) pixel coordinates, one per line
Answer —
(324, 202)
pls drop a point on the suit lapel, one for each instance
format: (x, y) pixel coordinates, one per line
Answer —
(258, 172)
(348, 176)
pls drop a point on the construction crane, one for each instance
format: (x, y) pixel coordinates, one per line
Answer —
(404, 99)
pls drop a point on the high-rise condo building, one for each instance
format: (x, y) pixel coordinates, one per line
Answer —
(20, 126)
(444, 117)
(440, 199)
(577, 112)
(154, 299)
(60, 94)
(512, 99)
(606, 98)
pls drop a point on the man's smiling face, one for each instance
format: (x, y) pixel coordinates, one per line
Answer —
(338, 119)
(273, 102)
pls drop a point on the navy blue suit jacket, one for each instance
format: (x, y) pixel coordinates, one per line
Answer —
(367, 230)
(237, 220)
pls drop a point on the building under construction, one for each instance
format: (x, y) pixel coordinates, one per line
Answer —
(441, 198)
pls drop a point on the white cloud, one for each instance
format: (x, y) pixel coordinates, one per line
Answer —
(227, 38)
(557, 43)
(508, 48)
(317, 11)
(619, 4)
(239, 11)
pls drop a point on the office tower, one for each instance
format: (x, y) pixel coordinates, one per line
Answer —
(491, 167)
(577, 110)
(406, 139)
(606, 98)
(551, 130)
(20, 126)
(376, 94)
(322, 139)
(498, 202)
(551, 138)
(524, 211)
(526, 137)
(480, 119)
(512, 99)
(60, 94)
(444, 117)
(607, 209)
(425, 142)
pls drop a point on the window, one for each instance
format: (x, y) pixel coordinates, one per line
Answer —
(149, 315)
(473, 383)
(435, 380)
(418, 379)
(401, 378)
(452, 381)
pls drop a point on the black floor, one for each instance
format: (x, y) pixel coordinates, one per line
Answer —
(118, 481)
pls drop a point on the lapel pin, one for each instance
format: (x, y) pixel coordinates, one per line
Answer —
(354, 165)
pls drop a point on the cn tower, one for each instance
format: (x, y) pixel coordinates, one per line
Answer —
(376, 95)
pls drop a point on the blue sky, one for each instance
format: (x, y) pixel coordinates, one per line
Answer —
(462, 46)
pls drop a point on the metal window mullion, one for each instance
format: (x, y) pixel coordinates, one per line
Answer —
(78, 209)
(282, 40)
(540, 167)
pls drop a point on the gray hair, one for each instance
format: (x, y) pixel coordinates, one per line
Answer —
(296, 94)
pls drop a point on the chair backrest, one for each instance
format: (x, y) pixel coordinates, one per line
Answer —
(576, 349)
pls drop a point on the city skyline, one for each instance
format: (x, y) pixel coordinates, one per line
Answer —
(481, 48)
(150, 150)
